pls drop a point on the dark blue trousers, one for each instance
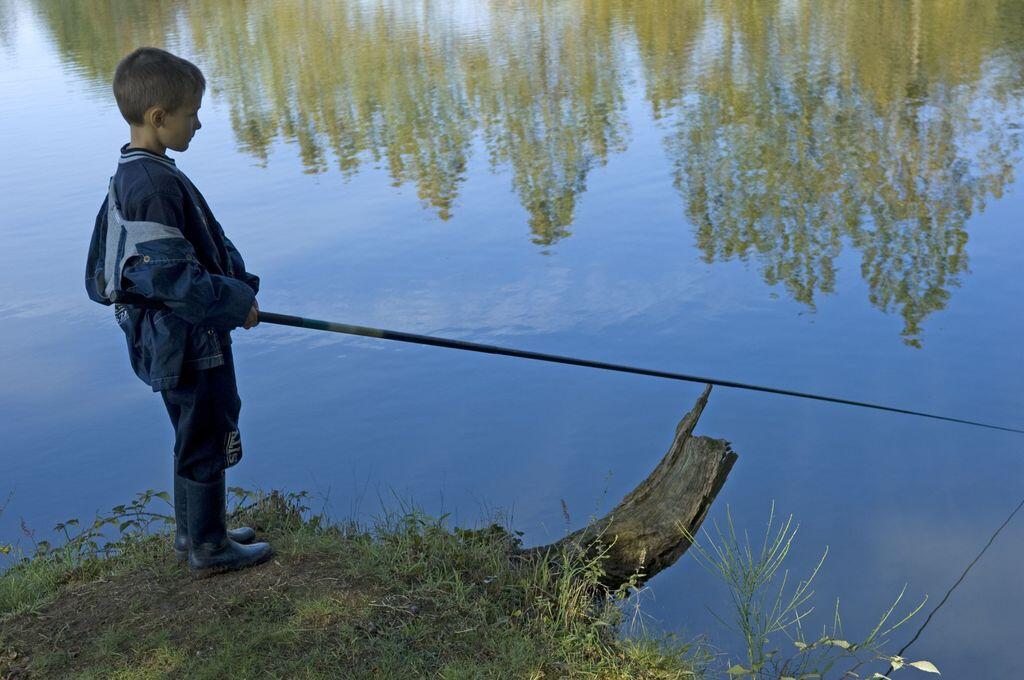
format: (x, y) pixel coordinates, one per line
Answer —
(204, 410)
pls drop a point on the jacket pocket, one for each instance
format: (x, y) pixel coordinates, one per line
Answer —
(204, 349)
(156, 343)
(164, 340)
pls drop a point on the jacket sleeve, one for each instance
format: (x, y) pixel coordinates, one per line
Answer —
(238, 264)
(167, 271)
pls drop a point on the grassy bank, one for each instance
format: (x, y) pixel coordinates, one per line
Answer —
(406, 598)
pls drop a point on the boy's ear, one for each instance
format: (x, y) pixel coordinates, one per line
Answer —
(155, 115)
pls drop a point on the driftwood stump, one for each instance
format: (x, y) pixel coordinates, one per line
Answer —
(644, 532)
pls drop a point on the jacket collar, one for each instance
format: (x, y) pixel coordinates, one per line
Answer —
(135, 154)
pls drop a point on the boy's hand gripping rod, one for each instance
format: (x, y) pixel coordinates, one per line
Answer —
(314, 324)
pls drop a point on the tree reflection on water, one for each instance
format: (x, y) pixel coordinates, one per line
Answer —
(793, 129)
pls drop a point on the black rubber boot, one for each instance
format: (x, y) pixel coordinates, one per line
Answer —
(181, 542)
(211, 551)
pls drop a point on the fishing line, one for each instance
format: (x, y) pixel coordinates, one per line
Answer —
(315, 324)
(958, 582)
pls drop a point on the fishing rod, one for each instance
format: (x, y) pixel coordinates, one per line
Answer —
(365, 331)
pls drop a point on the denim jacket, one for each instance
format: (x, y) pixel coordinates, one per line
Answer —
(177, 283)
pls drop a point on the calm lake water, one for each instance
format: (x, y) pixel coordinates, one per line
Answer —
(822, 196)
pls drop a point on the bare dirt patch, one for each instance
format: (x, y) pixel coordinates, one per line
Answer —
(161, 597)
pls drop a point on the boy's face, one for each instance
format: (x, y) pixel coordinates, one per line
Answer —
(177, 128)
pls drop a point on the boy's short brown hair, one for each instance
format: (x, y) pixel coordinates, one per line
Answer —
(150, 77)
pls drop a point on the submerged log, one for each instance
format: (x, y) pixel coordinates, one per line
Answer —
(644, 533)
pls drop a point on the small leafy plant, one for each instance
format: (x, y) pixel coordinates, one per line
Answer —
(769, 609)
(130, 521)
(96, 539)
(5, 548)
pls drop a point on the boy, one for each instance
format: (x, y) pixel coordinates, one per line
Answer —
(178, 286)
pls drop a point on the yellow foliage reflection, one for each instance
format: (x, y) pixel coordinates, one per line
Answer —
(883, 124)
